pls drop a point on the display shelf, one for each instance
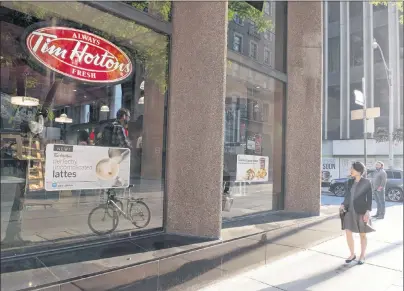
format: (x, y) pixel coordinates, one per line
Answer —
(31, 151)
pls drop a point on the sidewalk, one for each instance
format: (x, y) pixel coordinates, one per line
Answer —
(322, 267)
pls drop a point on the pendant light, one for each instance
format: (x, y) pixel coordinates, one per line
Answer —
(25, 100)
(63, 118)
(104, 108)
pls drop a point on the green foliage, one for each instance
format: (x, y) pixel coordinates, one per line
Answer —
(399, 4)
(161, 8)
(382, 135)
(31, 82)
(246, 11)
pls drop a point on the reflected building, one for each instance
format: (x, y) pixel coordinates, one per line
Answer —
(350, 28)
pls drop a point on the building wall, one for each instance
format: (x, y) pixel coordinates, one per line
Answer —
(336, 101)
(195, 119)
(304, 100)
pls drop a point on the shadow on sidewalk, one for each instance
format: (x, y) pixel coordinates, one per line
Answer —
(306, 283)
(262, 217)
(190, 270)
(193, 270)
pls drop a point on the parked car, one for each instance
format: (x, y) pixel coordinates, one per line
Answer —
(394, 186)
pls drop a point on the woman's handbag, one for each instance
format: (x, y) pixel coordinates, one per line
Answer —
(227, 202)
(342, 214)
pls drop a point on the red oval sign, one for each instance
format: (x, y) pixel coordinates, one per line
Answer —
(79, 54)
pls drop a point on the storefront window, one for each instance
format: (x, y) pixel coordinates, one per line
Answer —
(82, 111)
(253, 141)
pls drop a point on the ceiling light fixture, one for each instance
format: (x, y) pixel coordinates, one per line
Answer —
(104, 108)
(63, 118)
(24, 101)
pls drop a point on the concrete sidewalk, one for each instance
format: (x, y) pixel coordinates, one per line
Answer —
(322, 267)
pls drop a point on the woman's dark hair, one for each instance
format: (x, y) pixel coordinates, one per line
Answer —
(359, 167)
(82, 136)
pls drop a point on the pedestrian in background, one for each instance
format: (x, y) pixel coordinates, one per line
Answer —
(82, 137)
(379, 185)
(357, 206)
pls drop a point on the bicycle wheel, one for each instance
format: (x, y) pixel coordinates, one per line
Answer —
(140, 214)
(103, 219)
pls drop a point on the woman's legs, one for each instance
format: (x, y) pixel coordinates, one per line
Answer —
(350, 242)
(364, 243)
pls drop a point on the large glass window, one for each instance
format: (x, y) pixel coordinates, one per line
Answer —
(333, 11)
(334, 54)
(253, 140)
(356, 49)
(334, 103)
(57, 166)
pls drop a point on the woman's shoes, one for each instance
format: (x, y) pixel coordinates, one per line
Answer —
(361, 261)
(350, 260)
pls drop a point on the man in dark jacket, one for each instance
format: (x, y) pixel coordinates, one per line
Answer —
(379, 184)
(119, 137)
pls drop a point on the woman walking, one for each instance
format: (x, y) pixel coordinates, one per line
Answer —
(357, 206)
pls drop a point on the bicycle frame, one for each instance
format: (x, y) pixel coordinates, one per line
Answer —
(119, 209)
(128, 200)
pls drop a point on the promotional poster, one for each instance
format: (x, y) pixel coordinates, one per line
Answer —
(252, 168)
(74, 167)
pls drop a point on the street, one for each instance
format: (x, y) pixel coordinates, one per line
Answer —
(322, 267)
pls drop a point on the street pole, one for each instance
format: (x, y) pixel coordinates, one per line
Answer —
(364, 122)
(391, 8)
(391, 104)
(391, 122)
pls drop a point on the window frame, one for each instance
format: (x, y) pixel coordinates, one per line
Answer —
(269, 63)
(236, 34)
(256, 52)
(268, 8)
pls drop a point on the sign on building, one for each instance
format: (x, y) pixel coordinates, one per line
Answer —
(330, 169)
(78, 54)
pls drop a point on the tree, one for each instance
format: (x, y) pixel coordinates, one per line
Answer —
(399, 4)
(246, 11)
(382, 135)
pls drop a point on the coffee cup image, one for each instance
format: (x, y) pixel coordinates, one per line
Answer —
(107, 169)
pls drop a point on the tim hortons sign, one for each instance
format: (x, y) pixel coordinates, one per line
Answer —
(79, 55)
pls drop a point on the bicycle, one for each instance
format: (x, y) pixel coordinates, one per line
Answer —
(113, 209)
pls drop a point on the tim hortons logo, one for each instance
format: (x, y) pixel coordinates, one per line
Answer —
(79, 55)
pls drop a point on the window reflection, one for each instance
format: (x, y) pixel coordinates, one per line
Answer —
(253, 140)
(79, 112)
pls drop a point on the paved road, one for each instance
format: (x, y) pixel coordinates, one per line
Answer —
(322, 267)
